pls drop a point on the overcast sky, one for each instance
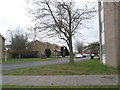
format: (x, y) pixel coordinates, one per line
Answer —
(14, 14)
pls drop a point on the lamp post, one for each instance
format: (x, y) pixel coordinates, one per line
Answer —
(6, 46)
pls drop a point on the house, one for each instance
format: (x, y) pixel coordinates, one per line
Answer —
(41, 46)
(109, 25)
(37, 46)
(54, 48)
(2, 47)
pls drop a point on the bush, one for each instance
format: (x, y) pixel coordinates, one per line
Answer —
(47, 52)
(15, 54)
(62, 52)
(25, 54)
(29, 54)
(66, 52)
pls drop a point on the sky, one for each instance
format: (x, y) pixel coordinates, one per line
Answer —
(13, 14)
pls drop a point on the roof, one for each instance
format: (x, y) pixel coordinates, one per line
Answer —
(38, 42)
(45, 43)
(2, 36)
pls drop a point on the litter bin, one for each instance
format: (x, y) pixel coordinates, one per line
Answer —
(92, 56)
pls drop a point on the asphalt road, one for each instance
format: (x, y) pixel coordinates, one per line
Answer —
(9, 66)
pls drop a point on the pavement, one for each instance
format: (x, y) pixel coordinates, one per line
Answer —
(60, 80)
(10, 66)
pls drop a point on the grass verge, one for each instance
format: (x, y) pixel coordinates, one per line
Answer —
(89, 67)
(28, 60)
(91, 86)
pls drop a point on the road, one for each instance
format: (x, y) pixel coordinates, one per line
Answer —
(8, 66)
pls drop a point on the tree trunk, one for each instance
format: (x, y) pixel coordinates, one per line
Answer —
(71, 51)
(19, 55)
(71, 56)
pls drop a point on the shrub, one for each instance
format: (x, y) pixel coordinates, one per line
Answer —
(29, 54)
(25, 54)
(66, 52)
(62, 52)
(47, 52)
(14, 54)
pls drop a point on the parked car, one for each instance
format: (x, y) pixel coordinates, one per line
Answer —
(78, 56)
(84, 55)
(88, 55)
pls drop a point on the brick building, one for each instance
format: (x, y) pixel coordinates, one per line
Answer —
(2, 47)
(41, 46)
(109, 25)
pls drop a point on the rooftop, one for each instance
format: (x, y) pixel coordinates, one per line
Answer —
(2, 36)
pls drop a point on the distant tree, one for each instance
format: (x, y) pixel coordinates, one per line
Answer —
(94, 48)
(66, 51)
(47, 52)
(18, 41)
(79, 46)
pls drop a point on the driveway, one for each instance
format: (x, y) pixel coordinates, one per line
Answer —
(7, 67)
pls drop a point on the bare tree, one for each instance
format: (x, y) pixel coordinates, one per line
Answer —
(18, 41)
(60, 19)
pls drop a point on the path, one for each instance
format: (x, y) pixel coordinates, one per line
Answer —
(61, 80)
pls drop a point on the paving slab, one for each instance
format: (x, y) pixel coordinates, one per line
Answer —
(60, 80)
(82, 80)
(71, 80)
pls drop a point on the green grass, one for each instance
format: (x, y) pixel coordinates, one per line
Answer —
(91, 86)
(27, 60)
(0, 61)
(89, 67)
